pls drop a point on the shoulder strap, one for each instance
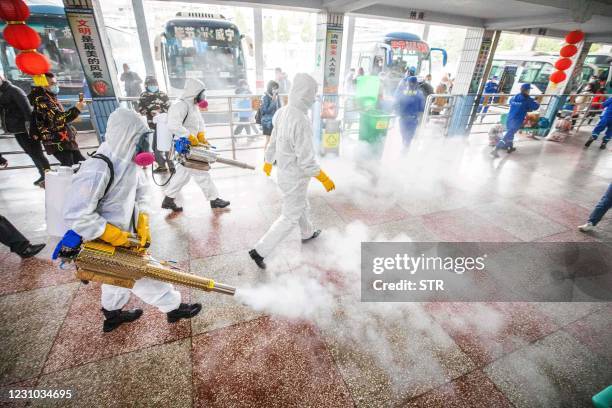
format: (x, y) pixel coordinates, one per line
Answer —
(110, 167)
(187, 114)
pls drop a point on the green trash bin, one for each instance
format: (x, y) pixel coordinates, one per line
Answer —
(373, 126)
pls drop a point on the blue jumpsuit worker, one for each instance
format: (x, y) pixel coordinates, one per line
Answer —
(605, 122)
(520, 104)
(490, 88)
(409, 105)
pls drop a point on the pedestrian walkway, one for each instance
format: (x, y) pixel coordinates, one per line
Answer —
(365, 355)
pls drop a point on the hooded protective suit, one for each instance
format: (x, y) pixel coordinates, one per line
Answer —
(88, 209)
(184, 119)
(291, 147)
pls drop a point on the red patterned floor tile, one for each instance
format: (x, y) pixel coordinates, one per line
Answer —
(557, 209)
(595, 331)
(267, 363)
(225, 232)
(487, 331)
(474, 390)
(465, 225)
(377, 211)
(81, 340)
(17, 275)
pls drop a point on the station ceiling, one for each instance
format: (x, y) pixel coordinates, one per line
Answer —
(536, 17)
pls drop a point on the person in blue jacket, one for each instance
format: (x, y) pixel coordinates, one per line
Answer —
(491, 87)
(520, 104)
(605, 122)
(269, 105)
(409, 105)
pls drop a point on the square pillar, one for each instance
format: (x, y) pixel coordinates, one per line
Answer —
(474, 65)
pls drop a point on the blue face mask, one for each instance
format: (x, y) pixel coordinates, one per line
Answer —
(152, 88)
(54, 89)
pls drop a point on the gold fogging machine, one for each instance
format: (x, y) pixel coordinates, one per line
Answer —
(200, 158)
(122, 266)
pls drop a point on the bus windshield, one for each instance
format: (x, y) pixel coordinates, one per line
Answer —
(58, 45)
(210, 51)
(406, 54)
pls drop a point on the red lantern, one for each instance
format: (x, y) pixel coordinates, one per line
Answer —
(35, 64)
(563, 63)
(21, 37)
(574, 37)
(557, 77)
(14, 10)
(568, 51)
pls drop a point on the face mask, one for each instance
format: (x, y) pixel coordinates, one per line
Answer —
(275, 91)
(54, 89)
(201, 100)
(143, 156)
(152, 88)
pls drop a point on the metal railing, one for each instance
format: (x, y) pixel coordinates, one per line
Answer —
(440, 108)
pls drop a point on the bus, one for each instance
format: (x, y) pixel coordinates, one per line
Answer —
(57, 43)
(602, 63)
(202, 46)
(392, 55)
(514, 69)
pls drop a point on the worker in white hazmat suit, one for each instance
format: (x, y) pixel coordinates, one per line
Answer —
(185, 120)
(292, 149)
(97, 209)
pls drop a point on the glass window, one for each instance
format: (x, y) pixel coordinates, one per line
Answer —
(530, 72)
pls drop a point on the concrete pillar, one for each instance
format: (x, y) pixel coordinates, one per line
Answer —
(87, 27)
(143, 36)
(560, 90)
(425, 32)
(258, 45)
(475, 61)
(349, 32)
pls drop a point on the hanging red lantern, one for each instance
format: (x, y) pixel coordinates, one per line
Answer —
(568, 51)
(14, 10)
(557, 77)
(563, 63)
(574, 37)
(35, 64)
(21, 37)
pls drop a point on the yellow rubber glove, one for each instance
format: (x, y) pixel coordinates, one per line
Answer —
(143, 231)
(115, 236)
(193, 140)
(267, 168)
(326, 181)
(202, 138)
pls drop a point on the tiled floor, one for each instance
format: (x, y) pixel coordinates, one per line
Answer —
(339, 351)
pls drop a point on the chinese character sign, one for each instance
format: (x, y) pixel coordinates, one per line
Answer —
(333, 48)
(89, 46)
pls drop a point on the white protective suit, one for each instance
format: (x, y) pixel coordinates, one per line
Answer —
(291, 146)
(88, 210)
(184, 119)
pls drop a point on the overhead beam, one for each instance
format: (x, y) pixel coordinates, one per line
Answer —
(345, 6)
(517, 23)
(605, 38)
(405, 14)
(303, 5)
(598, 7)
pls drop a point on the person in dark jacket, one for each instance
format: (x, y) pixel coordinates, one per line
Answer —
(520, 104)
(152, 102)
(51, 123)
(12, 238)
(269, 105)
(409, 105)
(16, 112)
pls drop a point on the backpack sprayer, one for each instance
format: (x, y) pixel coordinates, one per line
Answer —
(122, 266)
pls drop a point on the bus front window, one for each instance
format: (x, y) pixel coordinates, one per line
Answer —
(213, 55)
